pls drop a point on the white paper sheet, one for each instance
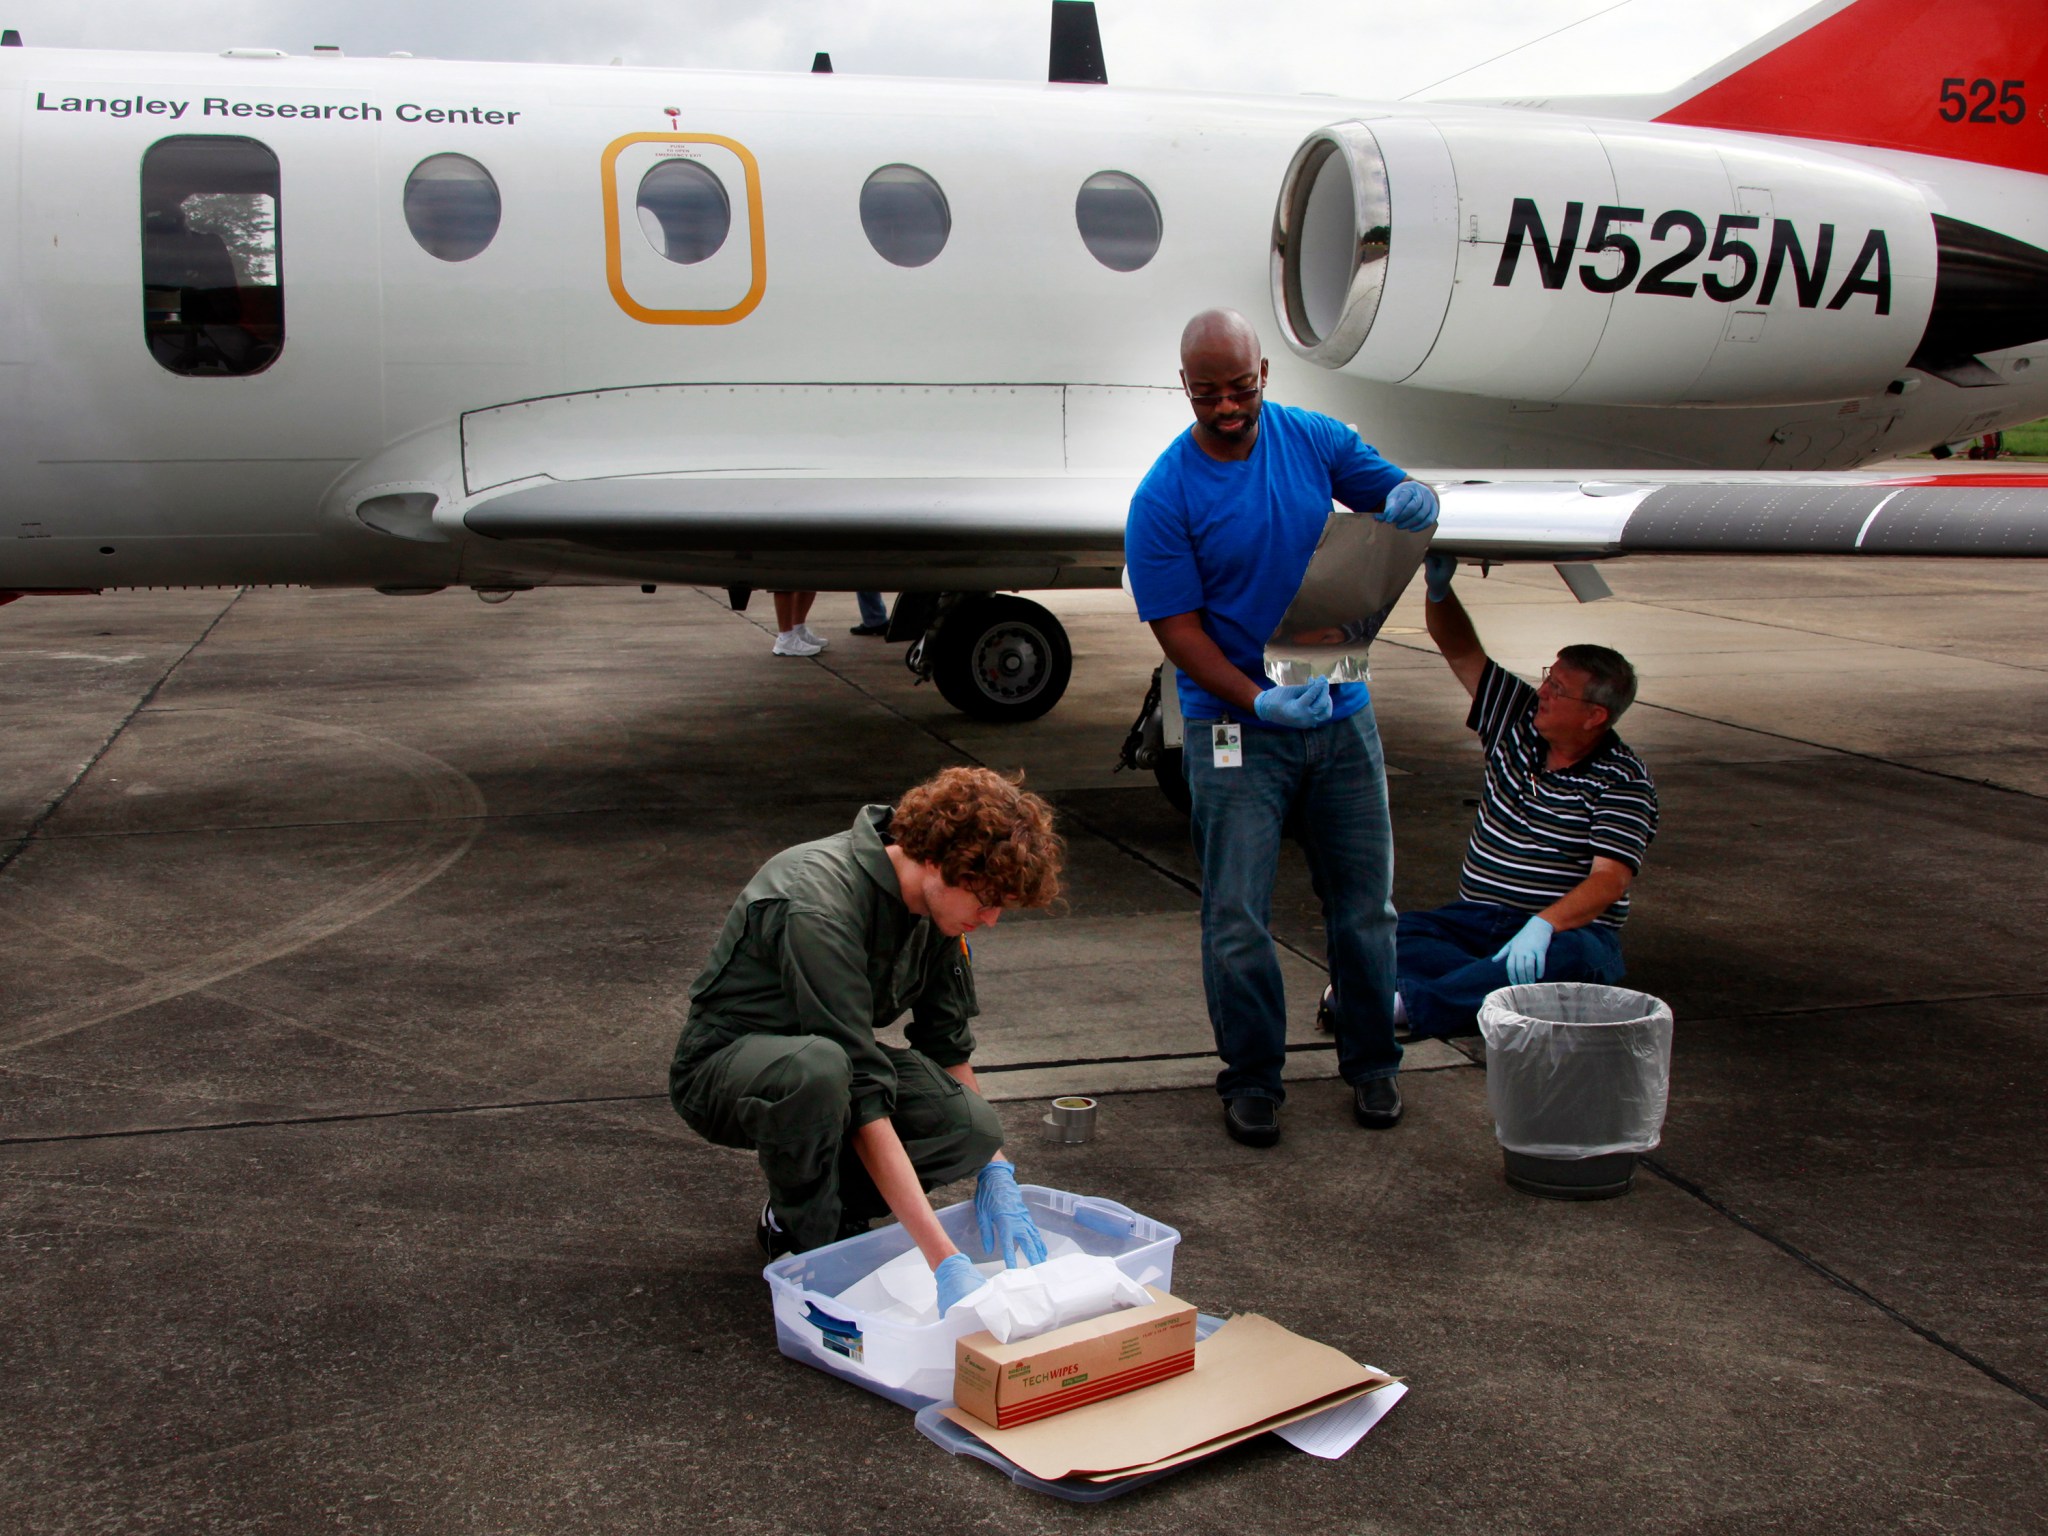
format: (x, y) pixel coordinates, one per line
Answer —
(1333, 1432)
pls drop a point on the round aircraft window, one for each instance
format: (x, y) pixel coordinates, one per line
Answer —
(905, 215)
(452, 206)
(684, 211)
(1119, 220)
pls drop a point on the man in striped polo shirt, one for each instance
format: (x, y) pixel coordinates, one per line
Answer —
(1566, 816)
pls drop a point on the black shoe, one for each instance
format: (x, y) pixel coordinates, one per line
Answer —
(773, 1240)
(1377, 1104)
(1255, 1122)
(870, 629)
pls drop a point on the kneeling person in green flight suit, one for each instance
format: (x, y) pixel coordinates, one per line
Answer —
(830, 943)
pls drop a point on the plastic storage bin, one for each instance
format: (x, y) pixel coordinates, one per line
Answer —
(914, 1365)
(1578, 1076)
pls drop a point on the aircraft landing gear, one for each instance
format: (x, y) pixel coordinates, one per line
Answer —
(1146, 745)
(995, 657)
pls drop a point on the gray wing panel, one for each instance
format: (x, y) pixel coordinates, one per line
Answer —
(1877, 518)
(1751, 519)
(1969, 520)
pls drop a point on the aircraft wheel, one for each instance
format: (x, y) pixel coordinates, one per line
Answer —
(1001, 658)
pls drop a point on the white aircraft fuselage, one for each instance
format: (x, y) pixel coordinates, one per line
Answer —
(409, 388)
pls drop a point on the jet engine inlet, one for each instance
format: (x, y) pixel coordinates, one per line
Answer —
(1597, 263)
(1331, 234)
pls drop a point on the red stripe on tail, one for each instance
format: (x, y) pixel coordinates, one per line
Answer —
(1964, 79)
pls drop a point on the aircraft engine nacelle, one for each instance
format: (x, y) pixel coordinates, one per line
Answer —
(1608, 264)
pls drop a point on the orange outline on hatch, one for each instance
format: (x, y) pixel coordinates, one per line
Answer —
(614, 265)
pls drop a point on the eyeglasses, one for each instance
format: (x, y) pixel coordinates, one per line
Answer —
(1231, 396)
(1557, 689)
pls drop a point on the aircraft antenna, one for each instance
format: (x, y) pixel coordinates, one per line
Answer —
(10, 38)
(821, 63)
(1516, 49)
(1076, 45)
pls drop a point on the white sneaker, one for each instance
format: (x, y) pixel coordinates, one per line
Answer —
(791, 642)
(811, 635)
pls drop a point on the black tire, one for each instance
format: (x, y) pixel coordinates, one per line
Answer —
(1173, 780)
(1002, 659)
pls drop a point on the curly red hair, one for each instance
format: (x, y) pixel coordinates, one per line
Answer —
(985, 833)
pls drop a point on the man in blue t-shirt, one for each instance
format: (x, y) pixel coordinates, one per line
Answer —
(1220, 535)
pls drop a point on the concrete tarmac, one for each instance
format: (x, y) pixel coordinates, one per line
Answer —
(346, 939)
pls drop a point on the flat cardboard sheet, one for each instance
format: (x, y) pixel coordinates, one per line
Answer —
(1250, 1376)
(1273, 1425)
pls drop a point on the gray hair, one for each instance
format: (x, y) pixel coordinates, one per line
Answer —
(1611, 681)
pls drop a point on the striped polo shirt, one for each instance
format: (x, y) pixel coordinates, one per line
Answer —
(1538, 832)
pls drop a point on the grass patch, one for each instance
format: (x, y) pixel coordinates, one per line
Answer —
(2023, 442)
(2029, 441)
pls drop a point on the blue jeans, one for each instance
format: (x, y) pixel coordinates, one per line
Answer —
(1334, 779)
(873, 611)
(1447, 966)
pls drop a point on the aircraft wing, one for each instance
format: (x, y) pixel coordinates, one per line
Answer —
(1069, 517)
(1995, 515)
(1063, 520)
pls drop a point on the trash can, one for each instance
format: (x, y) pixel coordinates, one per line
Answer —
(1577, 1076)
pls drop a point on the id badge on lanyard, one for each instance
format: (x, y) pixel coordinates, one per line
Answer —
(1227, 741)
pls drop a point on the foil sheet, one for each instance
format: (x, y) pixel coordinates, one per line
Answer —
(1359, 571)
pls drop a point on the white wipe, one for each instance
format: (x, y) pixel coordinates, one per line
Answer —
(1023, 1303)
(905, 1292)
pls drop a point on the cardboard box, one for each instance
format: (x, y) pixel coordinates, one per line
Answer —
(1005, 1385)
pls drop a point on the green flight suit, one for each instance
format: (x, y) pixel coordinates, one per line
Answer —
(780, 1052)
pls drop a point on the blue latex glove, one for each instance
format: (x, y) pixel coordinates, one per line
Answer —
(1437, 570)
(1411, 506)
(1525, 952)
(1006, 1225)
(1300, 706)
(957, 1281)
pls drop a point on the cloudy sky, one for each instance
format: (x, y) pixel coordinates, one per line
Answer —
(1372, 48)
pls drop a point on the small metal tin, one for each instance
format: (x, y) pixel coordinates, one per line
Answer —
(1072, 1120)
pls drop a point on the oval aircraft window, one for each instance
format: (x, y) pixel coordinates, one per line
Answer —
(1119, 220)
(452, 206)
(905, 215)
(684, 211)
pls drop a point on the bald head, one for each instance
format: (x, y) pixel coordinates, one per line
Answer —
(1220, 336)
(1223, 372)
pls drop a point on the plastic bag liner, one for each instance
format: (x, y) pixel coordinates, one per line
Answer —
(1576, 1070)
